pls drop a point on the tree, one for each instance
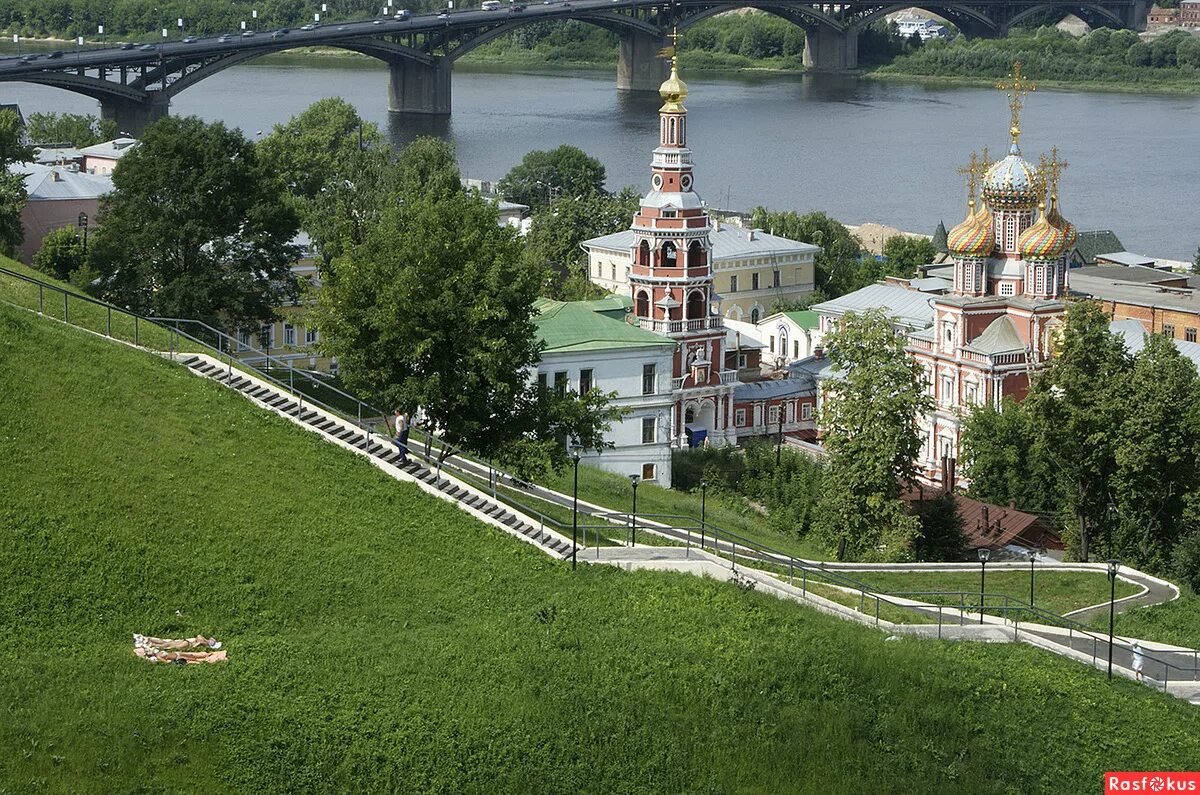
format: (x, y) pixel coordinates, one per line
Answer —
(1005, 461)
(869, 428)
(904, 254)
(1196, 262)
(556, 232)
(545, 175)
(319, 146)
(12, 185)
(434, 307)
(75, 129)
(942, 536)
(838, 264)
(196, 227)
(1075, 409)
(1156, 465)
(61, 253)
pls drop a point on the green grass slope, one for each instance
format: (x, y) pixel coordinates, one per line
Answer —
(382, 640)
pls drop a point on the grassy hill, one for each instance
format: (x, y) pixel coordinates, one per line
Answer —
(382, 640)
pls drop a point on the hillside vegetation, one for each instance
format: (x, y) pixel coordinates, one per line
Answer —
(382, 640)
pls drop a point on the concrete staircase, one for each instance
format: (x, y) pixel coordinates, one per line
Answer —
(383, 454)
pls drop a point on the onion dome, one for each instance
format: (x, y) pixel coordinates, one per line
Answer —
(1066, 226)
(1043, 240)
(974, 237)
(673, 90)
(1012, 183)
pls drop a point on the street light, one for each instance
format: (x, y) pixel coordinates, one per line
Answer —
(1111, 517)
(984, 553)
(1032, 557)
(703, 506)
(83, 224)
(575, 509)
(633, 481)
(1113, 566)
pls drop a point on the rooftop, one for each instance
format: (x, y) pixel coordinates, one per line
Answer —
(909, 308)
(1133, 334)
(1100, 241)
(44, 183)
(113, 149)
(728, 243)
(773, 389)
(1132, 273)
(1106, 289)
(585, 326)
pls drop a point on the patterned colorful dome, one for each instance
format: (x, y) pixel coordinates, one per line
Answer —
(974, 237)
(1043, 241)
(1012, 183)
(1066, 226)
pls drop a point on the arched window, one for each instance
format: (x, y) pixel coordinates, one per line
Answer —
(695, 305)
(672, 134)
(689, 415)
(754, 315)
(644, 254)
(668, 255)
(643, 304)
(695, 256)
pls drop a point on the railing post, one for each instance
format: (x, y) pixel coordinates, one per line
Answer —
(791, 570)
(108, 331)
(939, 607)
(41, 300)
(876, 609)
(734, 553)
(862, 600)
(136, 336)
(804, 583)
(66, 307)
(1093, 650)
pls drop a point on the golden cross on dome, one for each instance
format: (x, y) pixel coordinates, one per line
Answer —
(971, 172)
(1016, 87)
(672, 50)
(1052, 169)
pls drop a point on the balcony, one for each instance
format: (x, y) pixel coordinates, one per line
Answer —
(672, 327)
(727, 377)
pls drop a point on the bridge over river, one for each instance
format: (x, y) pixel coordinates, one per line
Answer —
(135, 83)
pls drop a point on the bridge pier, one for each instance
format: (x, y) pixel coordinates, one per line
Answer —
(416, 87)
(829, 50)
(134, 116)
(639, 67)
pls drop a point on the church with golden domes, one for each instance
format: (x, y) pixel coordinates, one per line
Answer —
(995, 328)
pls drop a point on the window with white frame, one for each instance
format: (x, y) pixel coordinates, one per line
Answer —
(649, 430)
(266, 337)
(806, 411)
(585, 380)
(773, 415)
(648, 472)
(947, 389)
(1008, 288)
(971, 393)
(742, 358)
(754, 281)
(243, 339)
(311, 335)
(289, 334)
(739, 417)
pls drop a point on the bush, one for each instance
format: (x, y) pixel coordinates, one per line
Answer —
(1185, 560)
(61, 253)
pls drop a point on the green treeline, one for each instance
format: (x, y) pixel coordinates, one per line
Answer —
(1108, 56)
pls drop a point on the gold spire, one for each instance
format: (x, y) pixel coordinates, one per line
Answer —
(673, 90)
(1016, 87)
(971, 172)
(1052, 169)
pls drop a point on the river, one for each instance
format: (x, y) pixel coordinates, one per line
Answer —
(862, 150)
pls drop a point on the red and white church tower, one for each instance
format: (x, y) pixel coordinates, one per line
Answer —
(671, 279)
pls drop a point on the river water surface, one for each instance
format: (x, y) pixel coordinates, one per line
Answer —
(859, 149)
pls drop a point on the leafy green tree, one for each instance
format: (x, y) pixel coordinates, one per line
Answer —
(869, 425)
(1075, 409)
(903, 255)
(555, 423)
(76, 129)
(1155, 453)
(942, 536)
(1006, 461)
(319, 146)
(839, 263)
(541, 176)
(1196, 262)
(196, 227)
(12, 185)
(61, 253)
(556, 232)
(434, 307)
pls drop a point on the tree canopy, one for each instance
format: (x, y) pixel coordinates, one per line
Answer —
(564, 172)
(12, 186)
(840, 267)
(61, 253)
(869, 428)
(75, 129)
(903, 255)
(556, 232)
(196, 227)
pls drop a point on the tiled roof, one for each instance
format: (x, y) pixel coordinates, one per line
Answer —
(999, 337)
(1101, 241)
(774, 390)
(728, 242)
(907, 307)
(42, 184)
(994, 526)
(578, 326)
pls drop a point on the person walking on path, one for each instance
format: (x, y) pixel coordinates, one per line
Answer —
(401, 437)
(1138, 660)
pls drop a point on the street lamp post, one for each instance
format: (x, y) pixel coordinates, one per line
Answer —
(83, 224)
(984, 553)
(1113, 566)
(1112, 517)
(633, 481)
(703, 506)
(575, 509)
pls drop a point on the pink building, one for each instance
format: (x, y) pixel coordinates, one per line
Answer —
(58, 196)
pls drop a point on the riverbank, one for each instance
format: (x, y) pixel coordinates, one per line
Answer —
(1120, 87)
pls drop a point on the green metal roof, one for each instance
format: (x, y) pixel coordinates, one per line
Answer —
(805, 318)
(579, 326)
(1092, 244)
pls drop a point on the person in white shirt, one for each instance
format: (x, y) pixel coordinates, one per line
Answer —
(1138, 660)
(401, 437)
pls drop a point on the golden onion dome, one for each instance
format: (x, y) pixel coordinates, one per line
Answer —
(1043, 240)
(974, 237)
(1012, 183)
(1056, 219)
(673, 90)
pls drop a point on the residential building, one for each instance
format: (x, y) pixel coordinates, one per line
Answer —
(102, 158)
(589, 344)
(1189, 13)
(790, 336)
(58, 196)
(753, 270)
(1162, 17)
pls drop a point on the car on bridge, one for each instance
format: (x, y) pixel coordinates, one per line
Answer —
(247, 34)
(403, 13)
(190, 40)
